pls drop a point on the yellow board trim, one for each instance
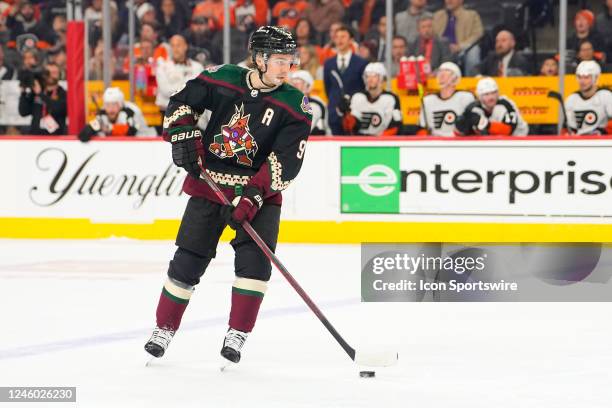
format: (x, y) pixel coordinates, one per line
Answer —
(321, 231)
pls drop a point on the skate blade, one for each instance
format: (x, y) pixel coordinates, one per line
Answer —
(226, 365)
(149, 360)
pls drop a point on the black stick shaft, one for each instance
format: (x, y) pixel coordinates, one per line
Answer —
(272, 257)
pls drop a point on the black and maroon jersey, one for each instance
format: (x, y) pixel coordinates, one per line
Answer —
(255, 137)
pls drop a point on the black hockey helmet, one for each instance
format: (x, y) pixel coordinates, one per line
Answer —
(272, 40)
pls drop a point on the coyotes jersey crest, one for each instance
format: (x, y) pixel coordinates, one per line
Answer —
(235, 139)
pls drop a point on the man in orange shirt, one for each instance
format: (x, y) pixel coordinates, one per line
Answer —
(212, 9)
(286, 13)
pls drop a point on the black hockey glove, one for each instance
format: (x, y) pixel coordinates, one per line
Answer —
(471, 123)
(185, 152)
(244, 207)
(344, 105)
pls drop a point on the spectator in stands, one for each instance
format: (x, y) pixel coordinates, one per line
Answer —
(58, 57)
(603, 25)
(550, 67)
(367, 51)
(21, 19)
(245, 17)
(96, 62)
(586, 53)
(59, 31)
(116, 118)
(377, 37)
(584, 29)
(434, 49)
(363, 15)
(304, 33)
(463, 30)
(248, 15)
(31, 62)
(146, 14)
(322, 14)
(150, 32)
(504, 61)
(6, 72)
(173, 73)
(212, 10)
(287, 13)
(309, 61)
(406, 22)
(203, 46)
(399, 47)
(45, 100)
(342, 76)
(93, 14)
(329, 50)
(171, 18)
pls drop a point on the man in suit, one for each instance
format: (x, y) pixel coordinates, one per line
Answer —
(504, 61)
(342, 76)
(462, 28)
(434, 49)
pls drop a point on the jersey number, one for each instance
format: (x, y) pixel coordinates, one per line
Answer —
(510, 117)
(301, 150)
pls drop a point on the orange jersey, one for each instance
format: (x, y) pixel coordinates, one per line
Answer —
(288, 13)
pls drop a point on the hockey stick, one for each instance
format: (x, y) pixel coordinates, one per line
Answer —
(556, 95)
(373, 359)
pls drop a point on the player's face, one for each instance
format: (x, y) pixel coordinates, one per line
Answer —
(585, 82)
(373, 82)
(299, 84)
(112, 110)
(489, 99)
(445, 78)
(278, 69)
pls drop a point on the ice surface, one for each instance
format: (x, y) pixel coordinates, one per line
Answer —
(77, 313)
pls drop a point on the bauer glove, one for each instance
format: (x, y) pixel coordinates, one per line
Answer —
(186, 147)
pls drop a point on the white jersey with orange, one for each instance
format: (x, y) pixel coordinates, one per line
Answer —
(439, 115)
(586, 116)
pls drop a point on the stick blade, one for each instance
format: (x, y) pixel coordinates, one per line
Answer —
(376, 358)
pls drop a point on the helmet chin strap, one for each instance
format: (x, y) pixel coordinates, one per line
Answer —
(262, 79)
(260, 72)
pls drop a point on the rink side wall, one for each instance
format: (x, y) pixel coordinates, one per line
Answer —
(350, 190)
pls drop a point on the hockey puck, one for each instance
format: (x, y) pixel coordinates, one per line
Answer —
(367, 374)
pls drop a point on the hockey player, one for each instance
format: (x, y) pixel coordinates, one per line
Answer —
(589, 111)
(303, 81)
(491, 114)
(440, 111)
(252, 148)
(116, 118)
(372, 112)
